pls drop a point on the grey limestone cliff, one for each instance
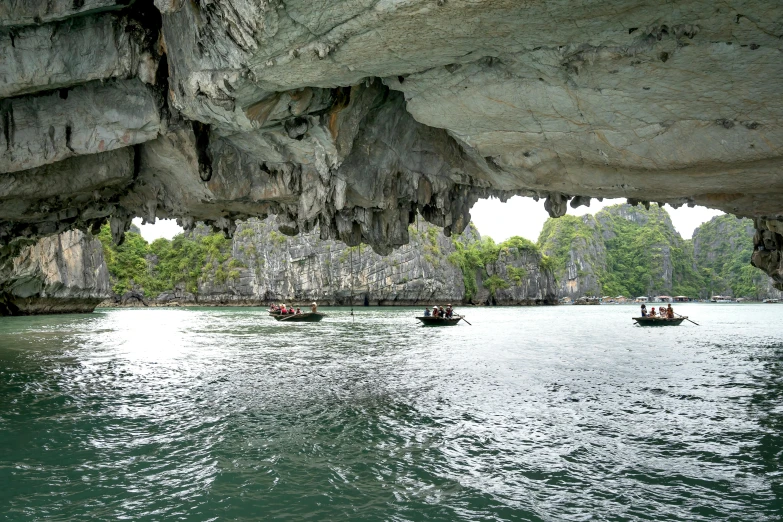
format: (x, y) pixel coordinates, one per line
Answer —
(579, 253)
(59, 274)
(265, 266)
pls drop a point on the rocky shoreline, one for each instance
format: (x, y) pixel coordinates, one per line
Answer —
(111, 303)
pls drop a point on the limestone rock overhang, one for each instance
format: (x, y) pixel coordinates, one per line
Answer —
(355, 116)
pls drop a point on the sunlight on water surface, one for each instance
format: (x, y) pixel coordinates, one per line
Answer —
(556, 413)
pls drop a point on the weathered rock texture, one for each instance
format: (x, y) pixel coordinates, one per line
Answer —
(579, 252)
(60, 274)
(265, 267)
(351, 116)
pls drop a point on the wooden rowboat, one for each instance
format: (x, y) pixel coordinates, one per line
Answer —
(440, 321)
(309, 317)
(658, 321)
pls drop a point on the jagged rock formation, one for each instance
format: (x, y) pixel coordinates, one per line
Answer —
(633, 251)
(768, 249)
(352, 117)
(261, 266)
(59, 274)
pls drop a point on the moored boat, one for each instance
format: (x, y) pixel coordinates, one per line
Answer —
(308, 317)
(659, 321)
(440, 321)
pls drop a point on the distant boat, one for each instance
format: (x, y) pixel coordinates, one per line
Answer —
(309, 317)
(658, 321)
(440, 321)
(722, 299)
(771, 301)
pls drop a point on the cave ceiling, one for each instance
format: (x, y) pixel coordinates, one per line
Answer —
(354, 116)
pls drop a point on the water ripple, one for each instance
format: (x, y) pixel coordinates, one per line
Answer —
(529, 414)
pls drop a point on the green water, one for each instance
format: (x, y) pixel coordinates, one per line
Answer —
(557, 413)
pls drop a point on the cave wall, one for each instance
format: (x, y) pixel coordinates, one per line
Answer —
(353, 116)
(65, 273)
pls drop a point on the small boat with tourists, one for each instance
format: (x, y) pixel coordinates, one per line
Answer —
(440, 321)
(295, 315)
(440, 316)
(306, 317)
(659, 321)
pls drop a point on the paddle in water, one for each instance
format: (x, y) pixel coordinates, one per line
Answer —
(694, 322)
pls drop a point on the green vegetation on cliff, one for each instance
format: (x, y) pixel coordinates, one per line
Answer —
(580, 235)
(181, 260)
(632, 251)
(558, 236)
(643, 251)
(722, 249)
(474, 256)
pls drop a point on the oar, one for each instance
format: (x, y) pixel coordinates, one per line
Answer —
(463, 318)
(694, 322)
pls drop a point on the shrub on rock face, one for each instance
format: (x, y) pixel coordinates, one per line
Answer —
(495, 283)
(516, 275)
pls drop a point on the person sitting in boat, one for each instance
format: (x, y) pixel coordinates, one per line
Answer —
(291, 310)
(282, 309)
(669, 312)
(298, 311)
(652, 312)
(441, 312)
(449, 311)
(644, 310)
(427, 312)
(314, 307)
(434, 311)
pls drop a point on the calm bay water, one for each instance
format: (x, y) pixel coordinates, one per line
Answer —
(556, 413)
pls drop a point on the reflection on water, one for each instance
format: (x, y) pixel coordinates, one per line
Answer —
(562, 413)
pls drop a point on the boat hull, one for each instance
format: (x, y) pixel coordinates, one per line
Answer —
(439, 321)
(657, 321)
(310, 317)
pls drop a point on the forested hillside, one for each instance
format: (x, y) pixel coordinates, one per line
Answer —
(633, 251)
(722, 248)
